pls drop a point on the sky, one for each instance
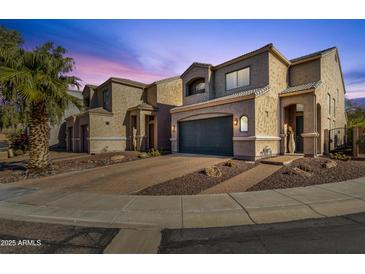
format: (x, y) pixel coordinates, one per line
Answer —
(149, 50)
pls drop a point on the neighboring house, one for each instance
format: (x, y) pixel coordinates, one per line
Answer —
(124, 115)
(57, 133)
(242, 107)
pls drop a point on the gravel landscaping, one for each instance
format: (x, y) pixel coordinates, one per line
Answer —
(16, 171)
(197, 182)
(312, 171)
(41, 238)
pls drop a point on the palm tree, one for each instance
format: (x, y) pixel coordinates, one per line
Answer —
(39, 80)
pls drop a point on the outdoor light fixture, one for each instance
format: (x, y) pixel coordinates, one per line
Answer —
(235, 121)
(173, 128)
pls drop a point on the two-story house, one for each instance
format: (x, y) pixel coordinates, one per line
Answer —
(121, 114)
(246, 106)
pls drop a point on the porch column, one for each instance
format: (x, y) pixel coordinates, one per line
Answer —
(310, 134)
(282, 134)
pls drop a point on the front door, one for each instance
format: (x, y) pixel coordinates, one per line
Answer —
(151, 135)
(298, 134)
(85, 143)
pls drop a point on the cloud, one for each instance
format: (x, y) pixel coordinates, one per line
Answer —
(95, 70)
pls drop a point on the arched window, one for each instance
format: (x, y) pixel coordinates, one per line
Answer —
(243, 124)
(197, 86)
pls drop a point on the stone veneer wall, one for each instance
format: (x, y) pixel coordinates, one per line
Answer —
(169, 95)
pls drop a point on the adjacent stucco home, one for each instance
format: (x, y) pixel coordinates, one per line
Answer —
(57, 132)
(121, 114)
(244, 107)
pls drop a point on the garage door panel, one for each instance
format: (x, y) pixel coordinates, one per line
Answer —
(207, 136)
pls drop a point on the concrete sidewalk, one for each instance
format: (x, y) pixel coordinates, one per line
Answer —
(213, 210)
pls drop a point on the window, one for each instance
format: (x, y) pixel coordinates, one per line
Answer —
(244, 124)
(338, 95)
(195, 87)
(106, 99)
(239, 78)
(334, 107)
(329, 104)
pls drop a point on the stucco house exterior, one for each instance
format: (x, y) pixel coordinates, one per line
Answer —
(57, 133)
(245, 106)
(121, 114)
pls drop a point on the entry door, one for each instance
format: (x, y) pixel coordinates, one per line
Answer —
(85, 144)
(151, 135)
(207, 136)
(298, 134)
(70, 146)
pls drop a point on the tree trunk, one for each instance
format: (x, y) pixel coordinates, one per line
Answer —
(38, 138)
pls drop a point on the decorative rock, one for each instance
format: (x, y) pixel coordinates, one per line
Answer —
(230, 163)
(143, 155)
(329, 164)
(213, 171)
(300, 172)
(117, 158)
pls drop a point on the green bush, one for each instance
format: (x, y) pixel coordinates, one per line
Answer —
(339, 156)
(154, 153)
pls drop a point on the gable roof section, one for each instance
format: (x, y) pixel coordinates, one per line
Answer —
(312, 55)
(307, 86)
(195, 64)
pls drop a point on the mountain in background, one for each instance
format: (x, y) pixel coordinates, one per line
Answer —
(359, 101)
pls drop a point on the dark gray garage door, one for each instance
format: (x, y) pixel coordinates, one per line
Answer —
(207, 136)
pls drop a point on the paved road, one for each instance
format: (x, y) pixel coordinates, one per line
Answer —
(344, 234)
(126, 178)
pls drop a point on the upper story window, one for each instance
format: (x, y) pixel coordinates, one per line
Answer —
(106, 99)
(238, 78)
(195, 87)
(243, 124)
(329, 104)
(334, 107)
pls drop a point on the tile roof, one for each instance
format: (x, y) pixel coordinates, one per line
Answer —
(302, 87)
(317, 53)
(242, 93)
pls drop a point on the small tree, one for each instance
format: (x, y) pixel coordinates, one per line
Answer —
(355, 115)
(37, 82)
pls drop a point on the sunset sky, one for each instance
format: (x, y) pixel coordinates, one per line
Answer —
(149, 50)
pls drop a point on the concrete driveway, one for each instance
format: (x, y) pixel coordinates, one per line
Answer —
(126, 178)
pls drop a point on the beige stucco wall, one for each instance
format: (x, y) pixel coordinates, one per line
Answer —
(193, 73)
(267, 108)
(169, 95)
(259, 74)
(305, 73)
(331, 82)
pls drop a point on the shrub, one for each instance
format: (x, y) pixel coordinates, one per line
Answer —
(18, 152)
(230, 163)
(154, 153)
(19, 141)
(339, 156)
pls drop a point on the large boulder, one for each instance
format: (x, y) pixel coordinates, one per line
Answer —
(117, 158)
(212, 171)
(329, 164)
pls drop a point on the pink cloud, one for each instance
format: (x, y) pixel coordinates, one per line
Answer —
(95, 70)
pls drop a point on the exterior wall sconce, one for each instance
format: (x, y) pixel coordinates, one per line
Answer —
(173, 128)
(235, 122)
